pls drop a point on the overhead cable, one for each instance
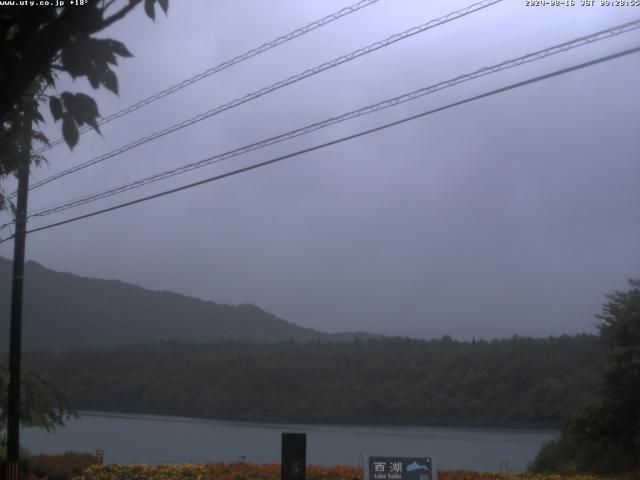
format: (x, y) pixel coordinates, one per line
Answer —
(528, 58)
(276, 86)
(341, 140)
(224, 65)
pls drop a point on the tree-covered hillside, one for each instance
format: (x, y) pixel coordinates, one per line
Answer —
(65, 311)
(520, 381)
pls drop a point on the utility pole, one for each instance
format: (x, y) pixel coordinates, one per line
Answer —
(15, 336)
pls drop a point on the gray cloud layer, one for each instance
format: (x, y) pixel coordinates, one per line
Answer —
(511, 215)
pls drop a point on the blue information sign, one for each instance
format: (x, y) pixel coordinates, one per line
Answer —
(401, 468)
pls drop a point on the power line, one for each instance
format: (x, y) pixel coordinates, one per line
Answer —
(224, 65)
(538, 55)
(276, 86)
(343, 139)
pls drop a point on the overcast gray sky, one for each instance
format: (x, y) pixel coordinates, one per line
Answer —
(514, 214)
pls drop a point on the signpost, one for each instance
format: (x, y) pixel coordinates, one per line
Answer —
(400, 468)
(294, 456)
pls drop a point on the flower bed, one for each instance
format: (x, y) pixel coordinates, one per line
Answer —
(251, 471)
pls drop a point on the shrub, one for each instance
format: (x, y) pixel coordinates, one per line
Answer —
(251, 471)
(58, 467)
(3, 460)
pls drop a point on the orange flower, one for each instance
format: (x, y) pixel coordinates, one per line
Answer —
(252, 471)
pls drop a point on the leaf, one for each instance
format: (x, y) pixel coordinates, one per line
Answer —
(72, 59)
(69, 130)
(94, 78)
(86, 56)
(108, 55)
(83, 108)
(164, 4)
(37, 116)
(56, 108)
(40, 137)
(110, 81)
(120, 48)
(48, 76)
(67, 100)
(149, 9)
(38, 160)
(89, 104)
(90, 110)
(101, 52)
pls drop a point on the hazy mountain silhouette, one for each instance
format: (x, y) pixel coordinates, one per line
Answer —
(62, 310)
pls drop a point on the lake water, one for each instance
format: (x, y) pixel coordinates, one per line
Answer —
(158, 439)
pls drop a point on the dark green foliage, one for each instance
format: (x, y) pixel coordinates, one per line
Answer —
(605, 436)
(82, 108)
(56, 108)
(556, 456)
(48, 467)
(34, 44)
(520, 381)
(515, 382)
(91, 57)
(119, 48)
(620, 330)
(79, 109)
(84, 56)
(37, 44)
(12, 137)
(149, 7)
(69, 130)
(41, 405)
(58, 467)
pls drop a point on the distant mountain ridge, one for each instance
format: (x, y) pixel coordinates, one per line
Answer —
(63, 310)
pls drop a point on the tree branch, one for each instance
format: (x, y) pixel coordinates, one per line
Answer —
(36, 58)
(119, 14)
(106, 5)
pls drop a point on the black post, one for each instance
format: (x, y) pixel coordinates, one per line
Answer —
(15, 336)
(293, 465)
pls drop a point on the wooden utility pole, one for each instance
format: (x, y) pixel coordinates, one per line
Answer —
(15, 336)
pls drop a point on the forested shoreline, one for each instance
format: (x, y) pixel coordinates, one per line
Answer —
(500, 383)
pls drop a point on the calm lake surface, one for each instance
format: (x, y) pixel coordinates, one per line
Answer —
(158, 439)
